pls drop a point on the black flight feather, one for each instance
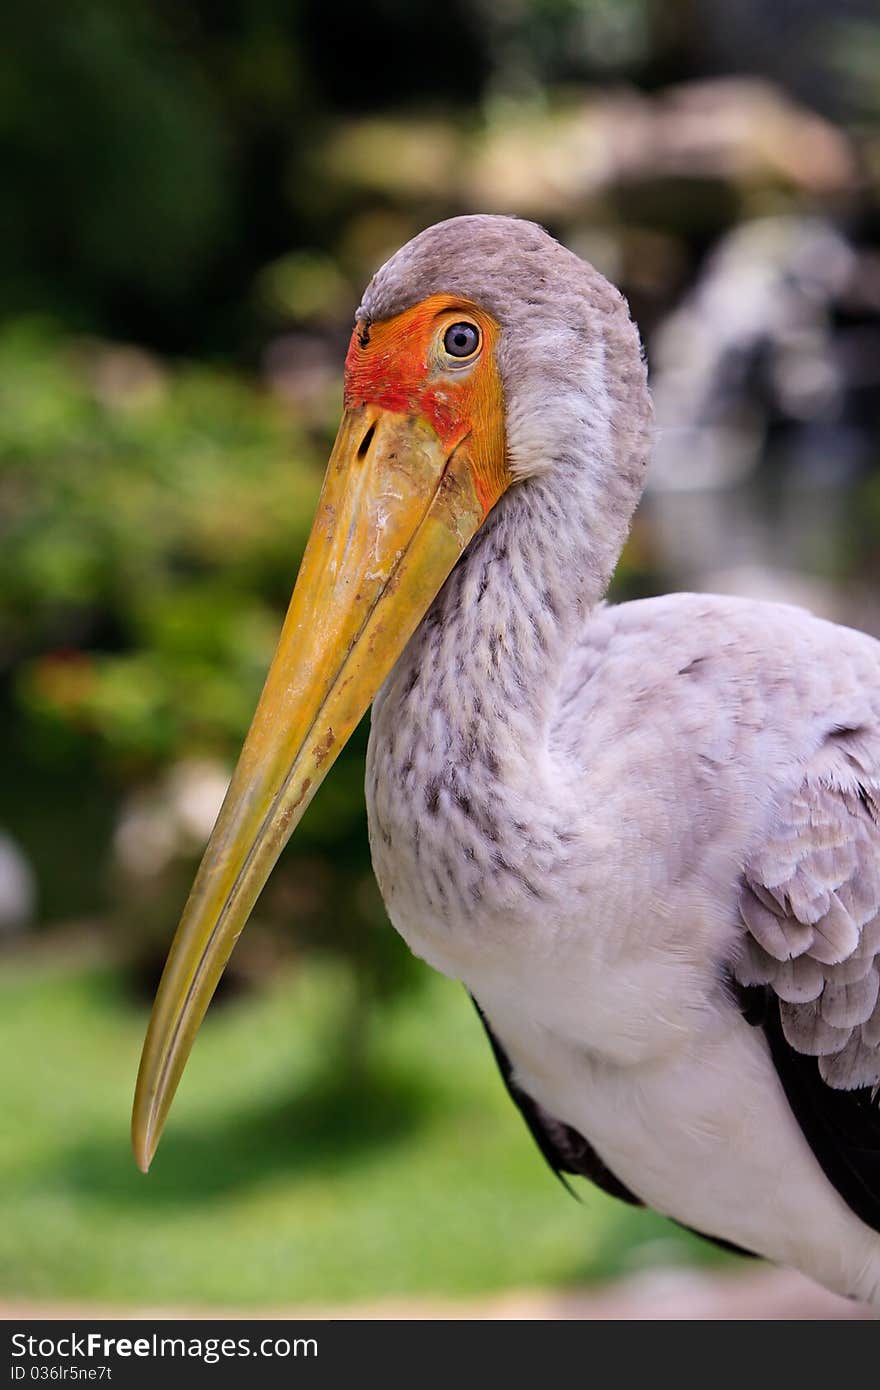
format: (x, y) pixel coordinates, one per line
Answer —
(841, 1127)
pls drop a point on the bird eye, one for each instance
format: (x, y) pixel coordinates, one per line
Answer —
(461, 339)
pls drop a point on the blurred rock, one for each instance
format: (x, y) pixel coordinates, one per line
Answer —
(775, 586)
(549, 161)
(160, 834)
(18, 888)
(304, 371)
(748, 130)
(170, 819)
(400, 156)
(755, 345)
(121, 376)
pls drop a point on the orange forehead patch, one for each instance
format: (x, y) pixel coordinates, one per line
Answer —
(399, 365)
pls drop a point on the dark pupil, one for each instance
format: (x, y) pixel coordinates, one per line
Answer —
(461, 340)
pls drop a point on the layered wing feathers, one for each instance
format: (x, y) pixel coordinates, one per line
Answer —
(810, 902)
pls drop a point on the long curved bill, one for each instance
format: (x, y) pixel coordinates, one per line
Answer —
(396, 511)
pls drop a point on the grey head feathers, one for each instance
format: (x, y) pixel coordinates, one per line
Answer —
(577, 409)
(569, 354)
(506, 264)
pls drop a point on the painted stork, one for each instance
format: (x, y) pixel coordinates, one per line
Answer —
(646, 837)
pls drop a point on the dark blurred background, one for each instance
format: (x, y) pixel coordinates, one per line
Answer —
(194, 195)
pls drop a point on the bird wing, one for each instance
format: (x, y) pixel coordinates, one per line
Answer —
(810, 967)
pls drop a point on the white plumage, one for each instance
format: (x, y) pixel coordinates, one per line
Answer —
(693, 780)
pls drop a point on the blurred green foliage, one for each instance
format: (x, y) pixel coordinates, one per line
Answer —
(157, 515)
(153, 521)
(157, 156)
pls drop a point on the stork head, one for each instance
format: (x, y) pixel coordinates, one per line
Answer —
(484, 355)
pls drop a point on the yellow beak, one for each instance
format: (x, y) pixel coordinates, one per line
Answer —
(395, 513)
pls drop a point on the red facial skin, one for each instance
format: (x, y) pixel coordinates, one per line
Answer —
(399, 365)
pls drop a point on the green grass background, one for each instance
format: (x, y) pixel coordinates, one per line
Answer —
(285, 1176)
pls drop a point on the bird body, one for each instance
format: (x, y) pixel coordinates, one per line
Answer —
(600, 938)
(645, 837)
